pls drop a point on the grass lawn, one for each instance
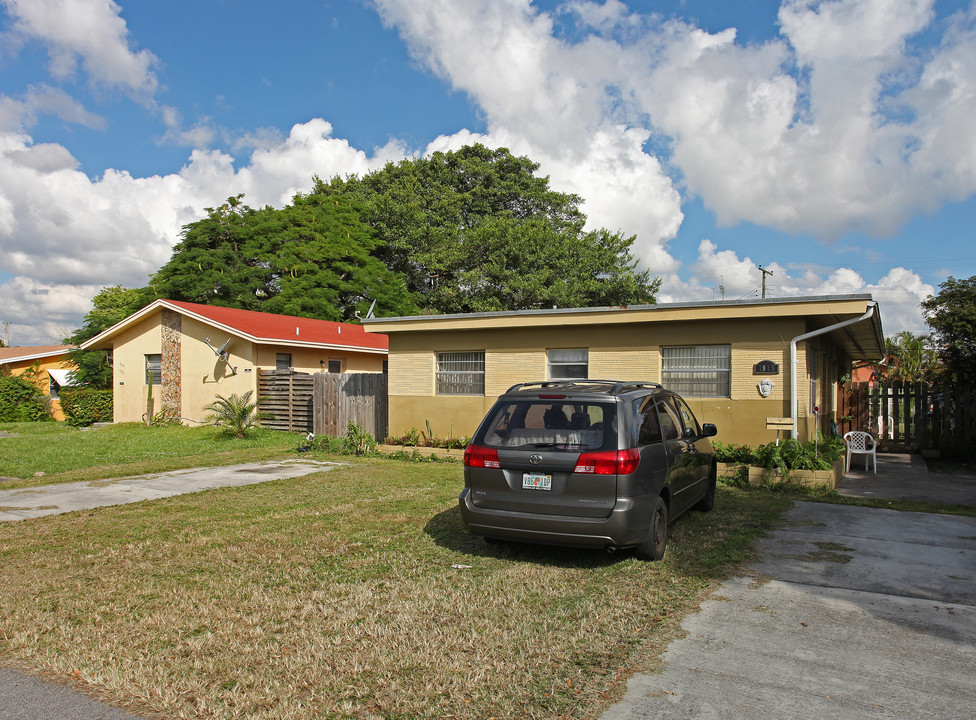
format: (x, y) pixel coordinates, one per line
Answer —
(354, 593)
(65, 454)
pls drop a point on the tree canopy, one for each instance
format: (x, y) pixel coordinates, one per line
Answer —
(476, 230)
(471, 230)
(313, 258)
(951, 313)
(911, 358)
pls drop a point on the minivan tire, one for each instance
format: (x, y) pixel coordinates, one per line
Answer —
(708, 499)
(656, 544)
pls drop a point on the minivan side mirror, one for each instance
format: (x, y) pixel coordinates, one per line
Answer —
(709, 430)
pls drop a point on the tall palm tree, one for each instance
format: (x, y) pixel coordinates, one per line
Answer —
(911, 357)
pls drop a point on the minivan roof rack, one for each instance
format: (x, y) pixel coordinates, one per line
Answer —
(616, 386)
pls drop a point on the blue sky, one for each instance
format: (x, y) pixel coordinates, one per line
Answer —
(831, 142)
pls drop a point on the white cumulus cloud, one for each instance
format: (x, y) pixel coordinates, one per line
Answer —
(64, 235)
(91, 33)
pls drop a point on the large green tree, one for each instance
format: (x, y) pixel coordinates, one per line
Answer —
(313, 258)
(951, 313)
(109, 306)
(476, 229)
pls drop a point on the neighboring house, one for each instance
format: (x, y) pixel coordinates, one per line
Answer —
(190, 353)
(869, 372)
(733, 361)
(52, 362)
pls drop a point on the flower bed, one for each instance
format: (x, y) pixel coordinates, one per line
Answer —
(810, 478)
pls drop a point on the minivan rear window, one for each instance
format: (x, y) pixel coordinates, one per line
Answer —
(553, 425)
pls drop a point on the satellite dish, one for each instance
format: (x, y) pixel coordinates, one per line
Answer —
(222, 351)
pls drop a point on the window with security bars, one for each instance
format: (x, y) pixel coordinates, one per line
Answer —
(154, 369)
(568, 364)
(698, 370)
(461, 373)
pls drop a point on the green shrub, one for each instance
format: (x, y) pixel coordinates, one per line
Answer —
(85, 406)
(733, 454)
(21, 401)
(356, 442)
(790, 454)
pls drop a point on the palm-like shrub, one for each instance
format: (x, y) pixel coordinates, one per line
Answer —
(238, 413)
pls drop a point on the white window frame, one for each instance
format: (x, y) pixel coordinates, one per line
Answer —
(697, 370)
(563, 359)
(460, 372)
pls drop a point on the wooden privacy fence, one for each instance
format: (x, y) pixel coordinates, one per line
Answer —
(906, 417)
(286, 399)
(341, 398)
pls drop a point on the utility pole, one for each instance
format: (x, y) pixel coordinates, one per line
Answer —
(764, 274)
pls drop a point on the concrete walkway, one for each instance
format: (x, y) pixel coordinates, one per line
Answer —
(61, 498)
(851, 613)
(902, 476)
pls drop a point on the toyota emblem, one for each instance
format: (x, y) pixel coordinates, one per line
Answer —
(535, 458)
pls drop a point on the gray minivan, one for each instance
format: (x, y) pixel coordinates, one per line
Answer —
(587, 463)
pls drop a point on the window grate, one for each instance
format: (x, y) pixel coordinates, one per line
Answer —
(461, 373)
(698, 370)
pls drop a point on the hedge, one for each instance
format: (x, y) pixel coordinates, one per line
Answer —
(86, 406)
(21, 401)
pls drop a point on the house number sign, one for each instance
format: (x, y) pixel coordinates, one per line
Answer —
(765, 367)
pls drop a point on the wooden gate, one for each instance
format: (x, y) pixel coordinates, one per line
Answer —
(286, 399)
(907, 417)
(341, 398)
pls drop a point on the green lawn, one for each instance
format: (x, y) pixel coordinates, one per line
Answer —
(349, 594)
(64, 453)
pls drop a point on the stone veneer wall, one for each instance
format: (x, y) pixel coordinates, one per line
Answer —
(172, 334)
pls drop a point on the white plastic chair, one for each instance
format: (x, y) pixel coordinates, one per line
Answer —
(861, 443)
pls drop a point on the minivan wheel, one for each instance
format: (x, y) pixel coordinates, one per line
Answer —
(708, 499)
(657, 540)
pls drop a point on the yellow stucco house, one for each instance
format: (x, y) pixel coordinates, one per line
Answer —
(755, 368)
(52, 364)
(190, 353)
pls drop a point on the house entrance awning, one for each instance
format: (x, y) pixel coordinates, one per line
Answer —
(61, 377)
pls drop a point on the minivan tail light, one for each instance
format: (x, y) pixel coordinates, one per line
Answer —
(481, 457)
(608, 462)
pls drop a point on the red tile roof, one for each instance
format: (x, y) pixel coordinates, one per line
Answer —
(286, 329)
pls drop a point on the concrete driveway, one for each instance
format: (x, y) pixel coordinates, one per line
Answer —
(852, 613)
(65, 497)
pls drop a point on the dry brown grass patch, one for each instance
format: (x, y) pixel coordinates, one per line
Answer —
(334, 595)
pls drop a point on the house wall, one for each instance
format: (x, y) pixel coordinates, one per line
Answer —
(193, 375)
(631, 352)
(43, 381)
(129, 369)
(204, 375)
(310, 360)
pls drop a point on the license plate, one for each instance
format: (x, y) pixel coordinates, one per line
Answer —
(536, 481)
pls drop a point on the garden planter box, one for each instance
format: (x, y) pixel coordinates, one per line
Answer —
(810, 478)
